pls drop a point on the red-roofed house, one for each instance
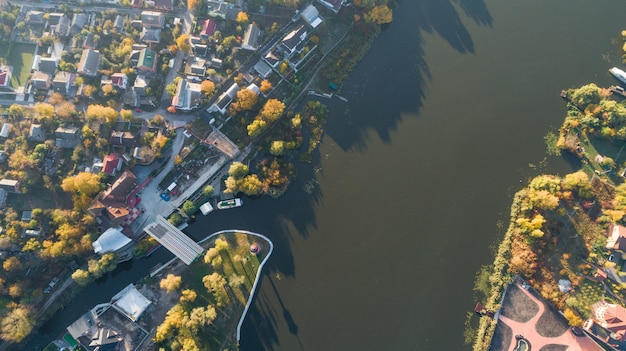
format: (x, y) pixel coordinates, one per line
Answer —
(616, 241)
(611, 317)
(119, 80)
(208, 28)
(111, 164)
(5, 77)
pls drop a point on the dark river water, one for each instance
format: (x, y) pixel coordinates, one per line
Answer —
(445, 114)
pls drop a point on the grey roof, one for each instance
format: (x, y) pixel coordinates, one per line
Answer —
(263, 68)
(79, 21)
(185, 248)
(36, 133)
(150, 35)
(82, 325)
(152, 19)
(89, 42)
(34, 17)
(48, 65)
(62, 28)
(119, 22)
(54, 18)
(251, 37)
(41, 80)
(187, 95)
(61, 81)
(89, 62)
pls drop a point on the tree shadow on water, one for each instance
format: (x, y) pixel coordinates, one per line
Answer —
(392, 79)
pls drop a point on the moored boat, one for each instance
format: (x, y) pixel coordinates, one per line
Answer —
(619, 74)
(230, 203)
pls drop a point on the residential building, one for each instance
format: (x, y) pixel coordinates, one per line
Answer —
(62, 27)
(151, 19)
(67, 138)
(293, 42)
(10, 185)
(311, 16)
(616, 241)
(272, 59)
(111, 164)
(251, 37)
(112, 240)
(47, 64)
(119, 80)
(6, 130)
(124, 139)
(611, 317)
(89, 63)
(35, 17)
(6, 72)
(263, 69)
(187, 96)
(89, 42)
(62, 82)
(79, 21)
(208, 28)
(162, 5)
(150, 35)
(36, 133)
(196, 66)
(118, 23)
(140, 85)
(147, 60)
(333, 5)
(111, 204)
(222, 103)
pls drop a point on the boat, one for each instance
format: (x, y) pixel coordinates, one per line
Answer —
(619, 74)
(206, 208)
(230, 203)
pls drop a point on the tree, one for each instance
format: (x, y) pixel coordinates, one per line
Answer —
(188, 207)
(11, 264)
(215, 283)
(107, 89)
(238, 170)
(66, 109)
(170, 283)
(17, 324)
(277, 148)
(578, 182)
(266, 86)
(207, 87)
(585, 95)
(183, 43)
(251, 185)
(55, 99)
(235, 280)
(256, 128)
(127, 115)
(380, 14)
(171, 89)
(188, 295)
(44, 109)
(83, 183)
(207, 190)
(245, 100)
(242, 18)
(82, 277)
(89, 90)
(230, 42)
(157, 120)
(192, 5)
(16, 110)
(272, 110)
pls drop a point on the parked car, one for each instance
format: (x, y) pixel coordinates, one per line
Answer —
(165, 197)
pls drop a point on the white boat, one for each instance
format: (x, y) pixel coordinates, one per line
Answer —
(619, 74)
(206, 208)
(236, 202)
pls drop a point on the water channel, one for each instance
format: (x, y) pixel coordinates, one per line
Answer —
(445, 114)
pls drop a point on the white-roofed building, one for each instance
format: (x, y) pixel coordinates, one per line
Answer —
(311, 16)
(110, 241)
(130, 302)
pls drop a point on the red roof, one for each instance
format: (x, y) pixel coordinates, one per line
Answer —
(208, 27)
(3, 77)
(110, 164)
(117, 79)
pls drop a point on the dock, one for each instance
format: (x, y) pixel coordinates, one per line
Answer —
(617, 90)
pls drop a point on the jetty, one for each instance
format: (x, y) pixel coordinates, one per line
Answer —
(617, 90)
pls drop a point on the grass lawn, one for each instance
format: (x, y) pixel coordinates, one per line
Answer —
(21, 59)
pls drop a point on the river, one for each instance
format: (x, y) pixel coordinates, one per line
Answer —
(445, 114)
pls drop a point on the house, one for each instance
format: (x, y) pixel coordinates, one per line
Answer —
(111, 204)
(10, 185)
(36, 133)
(163, 5)
(141, 84)
(222, 9)
(118, 23)
(89, 63)
(119, 80)
(187, 96)
(311, 16)
(47, 64)
(124, 139)
(150, 35)
(89, 42)
(54, 18)
(217, 63)
(196, 67)
(208, 28)
(6, 130)
(27, 216)
(147, 61)
(251, 37)
(6, 72)
(112, 240)
(272, 59)
(35, 17)
(67, 138)
(293, 42)
(263, 69)
(333, 5)
(151, 19)
(610, 316)
(62, 82)
(62, 27)
(111, 164)
(222, 103)
(616, 241)
(79, 21)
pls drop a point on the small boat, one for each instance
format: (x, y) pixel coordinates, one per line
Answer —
(619, 74)
(236, 202)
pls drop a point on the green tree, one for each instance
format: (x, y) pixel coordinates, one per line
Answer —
(257, 127)
(207, 190)
(171, 89)
(277, 148)
(170, 283)
(251, 185)
(82, 277)
(188, 207)
(238, 170)
(17, 324)
(587, 94)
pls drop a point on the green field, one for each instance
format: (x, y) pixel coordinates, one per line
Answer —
(21, 59)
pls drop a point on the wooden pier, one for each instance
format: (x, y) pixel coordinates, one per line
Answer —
(617, 90)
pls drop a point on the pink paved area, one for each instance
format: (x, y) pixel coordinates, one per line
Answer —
(529, 331)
